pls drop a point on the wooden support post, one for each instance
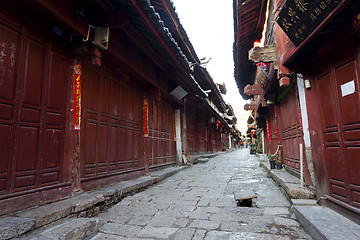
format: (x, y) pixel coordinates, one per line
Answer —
(301, 165)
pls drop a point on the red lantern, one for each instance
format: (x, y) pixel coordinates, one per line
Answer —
(217, 125)
(252, 132)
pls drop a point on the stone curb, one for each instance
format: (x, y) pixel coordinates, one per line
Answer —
(75, 228)
(323, 223)
(86, 204)
(320, 222)
(289, 183)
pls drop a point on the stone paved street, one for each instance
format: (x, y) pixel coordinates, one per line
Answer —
(198, 203)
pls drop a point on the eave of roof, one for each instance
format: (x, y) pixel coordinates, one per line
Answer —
(167, 12)
(162, 16)
(249, 18)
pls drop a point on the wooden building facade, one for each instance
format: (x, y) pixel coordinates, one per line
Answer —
(312, 50)
(95, 92)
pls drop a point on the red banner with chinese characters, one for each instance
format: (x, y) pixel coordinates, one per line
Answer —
(146, 117)
(174, 126)
(77, 96)
(268, 128)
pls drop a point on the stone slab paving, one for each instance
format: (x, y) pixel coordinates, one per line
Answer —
(198, 203)
(30, 223)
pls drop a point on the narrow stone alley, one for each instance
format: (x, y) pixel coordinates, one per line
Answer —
(198, 203)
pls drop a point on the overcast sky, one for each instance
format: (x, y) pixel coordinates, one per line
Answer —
(209, 26)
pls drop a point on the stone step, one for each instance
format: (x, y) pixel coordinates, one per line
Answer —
(78, 228)
(303, 202)
(11, 227)
(323, 223)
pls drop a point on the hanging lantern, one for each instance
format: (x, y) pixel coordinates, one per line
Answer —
(217, 125)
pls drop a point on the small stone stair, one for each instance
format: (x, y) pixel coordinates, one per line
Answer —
(77, 228)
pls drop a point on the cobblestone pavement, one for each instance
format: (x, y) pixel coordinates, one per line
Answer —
(198, 203)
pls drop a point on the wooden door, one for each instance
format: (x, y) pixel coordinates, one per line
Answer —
(290, 130)
(161, 145)
(272, 132)
(338, 89)
(111, 139)
(33, 79)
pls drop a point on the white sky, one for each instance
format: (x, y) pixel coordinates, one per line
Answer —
(209, 26)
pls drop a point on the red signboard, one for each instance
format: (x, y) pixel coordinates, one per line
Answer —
(77, 96)
(146, 117)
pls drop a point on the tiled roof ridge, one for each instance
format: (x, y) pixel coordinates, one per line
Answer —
(165, 32)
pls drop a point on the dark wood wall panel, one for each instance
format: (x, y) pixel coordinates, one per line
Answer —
(113, 123)
(33, 84)
(339, 97)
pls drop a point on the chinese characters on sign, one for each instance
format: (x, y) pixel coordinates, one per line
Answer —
(77, 96)
(299, 18)
(268, 129)
(146, 117)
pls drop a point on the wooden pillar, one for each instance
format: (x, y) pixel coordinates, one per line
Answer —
(305, 126)
(183, 131)
(145, 139)
(73, 144)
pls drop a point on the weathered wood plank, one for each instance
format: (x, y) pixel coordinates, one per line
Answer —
(244, 194)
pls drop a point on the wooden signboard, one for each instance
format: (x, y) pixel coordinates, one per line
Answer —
(299, 18)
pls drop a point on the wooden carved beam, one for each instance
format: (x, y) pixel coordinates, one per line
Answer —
(264, 54)
(254, 89)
